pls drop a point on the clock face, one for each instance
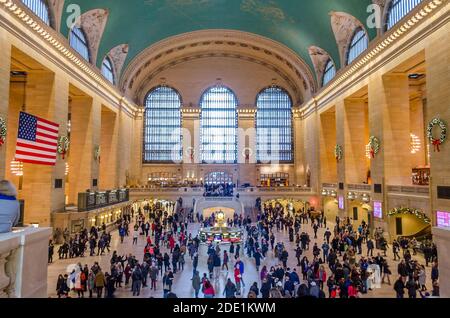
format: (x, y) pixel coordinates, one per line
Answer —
(220, 216)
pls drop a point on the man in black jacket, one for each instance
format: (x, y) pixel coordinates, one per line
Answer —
(399, 287)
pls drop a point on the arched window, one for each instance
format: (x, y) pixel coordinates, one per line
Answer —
(358, 44)
(274, 126)
(162, 126)
(79, 42)
(398, 9)
(218, 125)
(40, 8)
(329, 72)
(107, 69)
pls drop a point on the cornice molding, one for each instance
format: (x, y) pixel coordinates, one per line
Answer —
(145, 85)
(369, 62)
(171, 48)
(23, 24)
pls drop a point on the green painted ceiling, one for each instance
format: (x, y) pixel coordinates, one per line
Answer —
(297, 24)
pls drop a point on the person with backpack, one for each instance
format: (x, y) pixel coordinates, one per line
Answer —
(399, 287)
(230, 289)
(136, 280)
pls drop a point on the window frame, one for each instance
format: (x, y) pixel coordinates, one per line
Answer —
(292, 144)
(352, 45)
(110, 69)
(202, 143)
(326, 69)
(45, 4)
(400, 15)
(83, 40)
(144, 126)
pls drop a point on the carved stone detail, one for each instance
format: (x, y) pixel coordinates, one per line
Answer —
(56, 7)
(344, 26)
(319, 58)
(93, 24)
(118, 56)
(234, 43)
(11, 271)
(5, 280)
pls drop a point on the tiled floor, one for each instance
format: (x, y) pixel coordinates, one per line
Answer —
(182, 283)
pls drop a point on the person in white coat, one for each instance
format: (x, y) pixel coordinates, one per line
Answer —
(9, 207)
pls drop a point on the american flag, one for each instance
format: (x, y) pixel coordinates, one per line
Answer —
(37, 141)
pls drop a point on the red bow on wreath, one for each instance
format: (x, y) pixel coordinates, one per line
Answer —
(63, 154)
(1, 141)
(436, 144)
(372, 153)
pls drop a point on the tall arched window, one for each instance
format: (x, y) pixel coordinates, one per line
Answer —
(40, 8)
(358, 44)
(274, 126)
(329, 72)
(107, 69)
(218, 125)
(399, 9)
(79, 42)
(162, 126)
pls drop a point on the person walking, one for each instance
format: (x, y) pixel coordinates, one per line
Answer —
(208, 289)
(100, 282)
(257, 255)
(136, 280)
(225, 260)
(399, 287)
(153, 277)
(196, 283)
(230, 289)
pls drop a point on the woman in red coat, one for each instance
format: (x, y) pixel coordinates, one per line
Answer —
(171, 243)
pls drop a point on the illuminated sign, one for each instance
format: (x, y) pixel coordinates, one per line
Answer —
(377, 210)
(443, 219)
(341, 202)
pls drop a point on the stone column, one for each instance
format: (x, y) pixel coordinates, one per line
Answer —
(191, 144)
(327, 139)
(247, 145)
(137, 134)
(341, 165)
(5, 68)
(356, 137)
(437, 55)
(85, 136)
(109, 158)
(46, 97)
(441, 236)
(299, 165)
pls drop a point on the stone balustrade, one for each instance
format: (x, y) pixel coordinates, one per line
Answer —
(23, 263)
(409, 190)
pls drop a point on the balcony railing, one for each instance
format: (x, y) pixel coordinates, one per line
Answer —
(359, 187)
(411, 190)
(199, 191)
(329, 185)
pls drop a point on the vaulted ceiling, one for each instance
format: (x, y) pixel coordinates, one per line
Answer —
(297, 24)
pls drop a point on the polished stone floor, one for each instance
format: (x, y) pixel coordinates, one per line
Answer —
(182, 282)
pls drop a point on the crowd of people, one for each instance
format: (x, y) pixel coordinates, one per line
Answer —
(219, 190)
(343, 265)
